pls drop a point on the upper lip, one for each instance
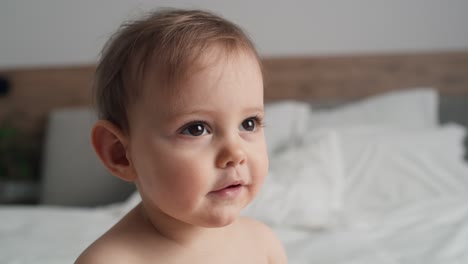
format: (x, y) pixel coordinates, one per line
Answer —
(229, 183)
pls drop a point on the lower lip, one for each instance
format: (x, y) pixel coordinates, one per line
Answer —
(230, 192)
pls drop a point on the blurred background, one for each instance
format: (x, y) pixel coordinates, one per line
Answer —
(53, 33)
(386, 183)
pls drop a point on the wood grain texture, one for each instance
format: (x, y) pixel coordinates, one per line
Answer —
(349, 77)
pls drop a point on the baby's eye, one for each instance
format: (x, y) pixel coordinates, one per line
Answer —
(250, 124)
(195, 129)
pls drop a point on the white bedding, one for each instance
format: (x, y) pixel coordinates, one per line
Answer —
(431, 232)
(31, 234)
(368, 183)
(434, 231)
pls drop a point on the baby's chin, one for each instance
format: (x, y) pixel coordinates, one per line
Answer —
(222, 219)
(219, 215)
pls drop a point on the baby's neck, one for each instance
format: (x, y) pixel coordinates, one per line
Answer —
(176, 231)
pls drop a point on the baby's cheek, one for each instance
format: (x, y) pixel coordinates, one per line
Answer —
(263, 161)
(259, 170)
(190, 179)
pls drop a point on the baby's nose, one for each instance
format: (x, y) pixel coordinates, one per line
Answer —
(231, 155)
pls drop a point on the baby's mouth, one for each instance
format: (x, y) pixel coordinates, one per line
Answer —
(232, 185)
(229, 191)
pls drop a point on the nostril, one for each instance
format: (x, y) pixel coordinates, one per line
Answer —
(234, 163)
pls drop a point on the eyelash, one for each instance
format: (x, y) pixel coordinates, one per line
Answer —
(258, 122)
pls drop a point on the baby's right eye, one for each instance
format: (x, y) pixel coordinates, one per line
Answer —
(195, 129)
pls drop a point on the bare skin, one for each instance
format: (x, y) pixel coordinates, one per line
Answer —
(135, 240)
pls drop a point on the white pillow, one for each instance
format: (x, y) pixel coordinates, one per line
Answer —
(304, 186)
(71, 172)
(284, 122)
(391, 167)
(413, 108)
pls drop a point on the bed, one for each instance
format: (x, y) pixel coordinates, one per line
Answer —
(367, 161)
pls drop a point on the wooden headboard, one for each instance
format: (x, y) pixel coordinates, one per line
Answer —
(356, 76)
(36, 91)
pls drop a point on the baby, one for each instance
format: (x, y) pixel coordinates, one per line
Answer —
(180, 98)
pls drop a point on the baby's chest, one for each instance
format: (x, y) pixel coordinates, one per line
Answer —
(217, 258)
(240, 256)
(225, 253)
(244, 250)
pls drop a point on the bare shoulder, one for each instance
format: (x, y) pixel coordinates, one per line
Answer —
(265, 236)
(106, 251)
(121, 244)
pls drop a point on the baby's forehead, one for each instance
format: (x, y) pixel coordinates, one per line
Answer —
(198, 80)
(170, 81)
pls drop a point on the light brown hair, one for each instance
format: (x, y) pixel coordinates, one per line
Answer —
(168, 41)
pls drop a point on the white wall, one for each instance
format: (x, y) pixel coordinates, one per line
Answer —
(51, 32)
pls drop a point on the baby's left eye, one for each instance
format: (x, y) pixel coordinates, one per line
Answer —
(249, 124)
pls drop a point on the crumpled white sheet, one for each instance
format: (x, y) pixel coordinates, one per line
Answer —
(42, 234)
(434, 231)
(390, 168)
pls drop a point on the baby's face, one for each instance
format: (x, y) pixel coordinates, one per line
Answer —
(200, 155)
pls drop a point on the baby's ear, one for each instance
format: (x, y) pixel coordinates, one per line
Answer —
(110, 145)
